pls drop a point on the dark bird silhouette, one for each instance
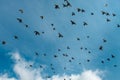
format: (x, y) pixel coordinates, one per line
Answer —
(73, 14)
(81, 48)
(114, 14)
(107, 14)
(106, 5)
(78, 39)
(88, 36)
(31, 65)
(85, 23)
(108, 20)
(26, 26)
(104, 40)
(44, 54)
(36, 33)
(59, 49)
(52, 24)
(88, 60)
(53, 28)
(57, 6)
(112, 56)
(3, 42)
(65, 55)
(103, 12)
(65, 0)
(43, 32)
(89, 51)
(101, 48)
(55, 56)
(42, 17)
(85, 48)
(70, 61)
(82, 10)
(41, 66)
(72, 58)
(118, 25)
(15, 37)
(60, 35)
(64, 68)
(79, 63)
(36, 54)
(68, 47)
(21, 11)
(108, 59)
(19, 20)
(102, 62)
(92, 13)
(72, 22)
(78, 9)
(68, 4)
(115, 65)
(64, 5)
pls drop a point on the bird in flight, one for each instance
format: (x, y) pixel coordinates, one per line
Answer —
(21, 11)
(57, 6)
(72, 22)
(3, 42)
(60, 35)
(37, 33)
(19, 20)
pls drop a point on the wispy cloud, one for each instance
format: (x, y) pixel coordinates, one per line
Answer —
(23, 72)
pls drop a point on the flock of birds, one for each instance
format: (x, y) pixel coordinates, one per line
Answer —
(67, 4)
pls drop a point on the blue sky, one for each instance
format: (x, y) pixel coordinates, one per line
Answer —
(49, 43)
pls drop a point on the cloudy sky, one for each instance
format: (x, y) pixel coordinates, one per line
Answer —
(84, 52)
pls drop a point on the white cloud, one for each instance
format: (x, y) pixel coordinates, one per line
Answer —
(26, 73)
(5, 77)
(85, 75)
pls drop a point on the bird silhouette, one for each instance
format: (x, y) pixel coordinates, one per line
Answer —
(15, 37)
(19, 20)
(85, 23)
(57, 6)
(108, 20)
(104, 40)
(102, 62)
(101, 48)
(36, 33)
(3, 42)
(92, 13)
(72, 22)
(73, 14)
(36, 54)
(108, 59)
(42, 17)
(112, 56)
(78, 9)
(26, 26)
(114, 14)
(21, 11)
(118, 25)
(60, 35)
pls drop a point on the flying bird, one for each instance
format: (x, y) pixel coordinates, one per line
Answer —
(42, 17)
(60, 35)
(21, 11)
(15, 37)
(57, 6)
(3, 42)
(19, 20)
(85, 23)
(72, 22)
(101, 48)
(37, 33)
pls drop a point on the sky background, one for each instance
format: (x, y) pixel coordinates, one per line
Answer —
(49, 43)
